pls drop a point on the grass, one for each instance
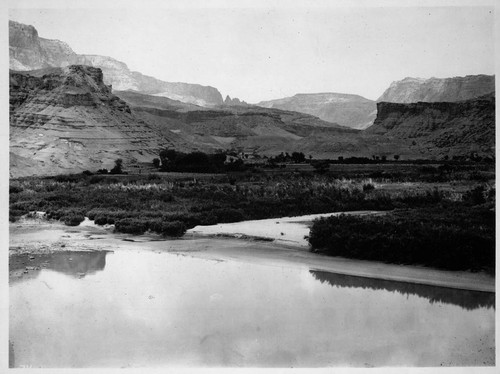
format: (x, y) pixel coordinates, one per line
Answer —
(170, 203)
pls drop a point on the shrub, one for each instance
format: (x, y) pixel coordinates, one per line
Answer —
(475, 196)
(131, 226)
(15, 189)
(227, 215)
(174, 228)
(368, 187)
(73, 219)
(455, 239)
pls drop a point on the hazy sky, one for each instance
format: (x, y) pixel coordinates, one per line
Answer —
(266, 53)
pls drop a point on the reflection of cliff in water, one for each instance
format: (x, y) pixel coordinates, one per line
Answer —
(77, 264)
(464, 298)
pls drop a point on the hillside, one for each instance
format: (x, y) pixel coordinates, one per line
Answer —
(439, 129)
(66, 120)
(347, 110)
(266, 131)
(28, 51)
(412, 90)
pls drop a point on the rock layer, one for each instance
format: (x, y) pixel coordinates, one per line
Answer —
(440, 128)
(412, 90)
(67, 120)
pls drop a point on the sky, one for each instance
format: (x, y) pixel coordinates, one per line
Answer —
(267, 52)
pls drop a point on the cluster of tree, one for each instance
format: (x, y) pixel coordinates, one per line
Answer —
(197, 162)
(295, 157)
(117, 169)
(364, 160)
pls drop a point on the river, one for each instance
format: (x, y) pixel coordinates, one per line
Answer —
(166, 306)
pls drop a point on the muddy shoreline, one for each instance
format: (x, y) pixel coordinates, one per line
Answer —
(38, 237)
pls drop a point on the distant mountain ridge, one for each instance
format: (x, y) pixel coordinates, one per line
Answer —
(27, 51)
(412, 90)
(347, 110)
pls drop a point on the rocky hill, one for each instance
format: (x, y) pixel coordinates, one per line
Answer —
(412, 90)
(67, 120)
(352, 111)
(266, 131)
(27, 51)
(438, 129)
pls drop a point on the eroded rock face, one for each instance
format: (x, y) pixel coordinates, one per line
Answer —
(347, 110)
(234, 102)
(439, 128)
(28, 51)
(412, 90)
(67, 120)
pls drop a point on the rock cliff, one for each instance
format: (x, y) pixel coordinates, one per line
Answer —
(412, 90)
(27, 51)
(439, 129)
(67, 120)
(347, 110)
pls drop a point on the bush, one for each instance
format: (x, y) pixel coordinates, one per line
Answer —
(368, 187)
(228, 215)
(131, 226)
(73, 219)
(174, 228)
(455, 239)
(15, 189)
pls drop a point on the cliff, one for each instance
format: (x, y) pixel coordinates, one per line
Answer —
(439, 128)
(352, 111)
(411, 90)
(67, 120)
(27, 51)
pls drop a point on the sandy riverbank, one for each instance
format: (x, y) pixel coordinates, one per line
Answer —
(289, 231)
(42, 237)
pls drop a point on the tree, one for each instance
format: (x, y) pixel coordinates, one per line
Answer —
(156, 162)
(298, 157)
(396, 157)
(117, 169)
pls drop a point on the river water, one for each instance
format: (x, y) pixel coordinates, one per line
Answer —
(142, 308)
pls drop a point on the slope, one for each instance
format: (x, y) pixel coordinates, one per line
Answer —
(67, 120)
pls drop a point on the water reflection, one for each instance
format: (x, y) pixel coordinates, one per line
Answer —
(466, 299)
(75, 263)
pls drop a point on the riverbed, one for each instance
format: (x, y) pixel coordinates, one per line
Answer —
(85, 297)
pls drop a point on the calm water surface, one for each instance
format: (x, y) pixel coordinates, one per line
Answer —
(144, 308)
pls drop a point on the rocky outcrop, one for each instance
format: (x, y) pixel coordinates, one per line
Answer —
(347, 110)
(233, 102)
(29, 52)
(67, 120)
(439, 129)
(412, 90)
